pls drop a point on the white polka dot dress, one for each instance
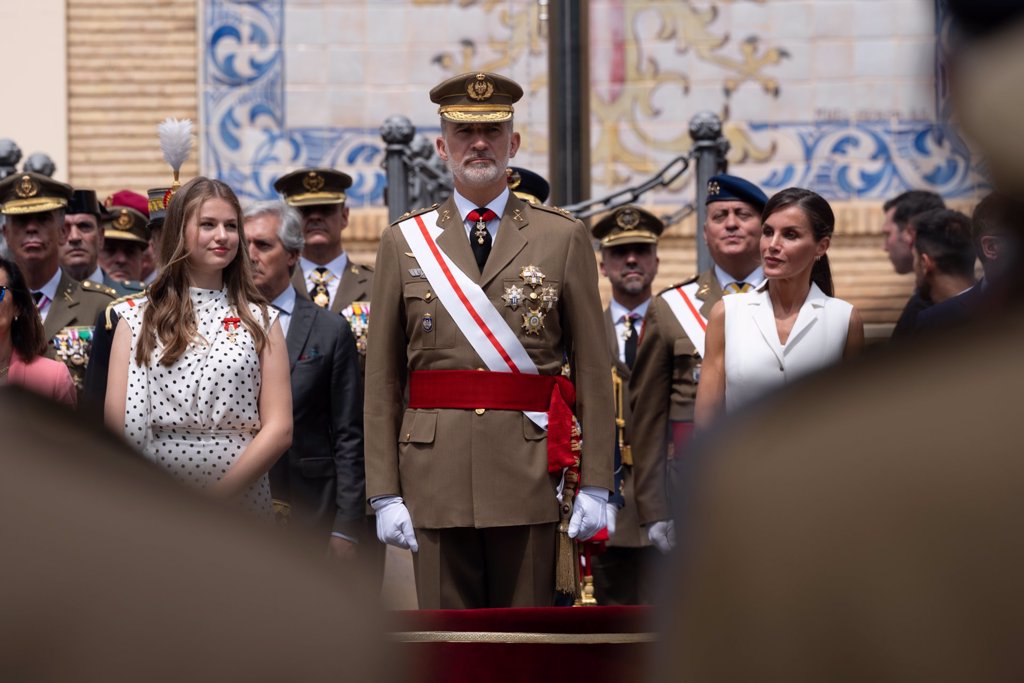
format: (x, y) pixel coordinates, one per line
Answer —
(195, 417)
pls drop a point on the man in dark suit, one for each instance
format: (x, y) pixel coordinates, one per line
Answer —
(320, 482)
(629, 259)
(991, 228)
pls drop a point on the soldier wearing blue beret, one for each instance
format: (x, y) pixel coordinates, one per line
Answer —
(663, 385)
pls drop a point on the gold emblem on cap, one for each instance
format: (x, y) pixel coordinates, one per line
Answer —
(123, 220)
(627, 219)
(27, 187)
(313, 182)
(480, 88)
(714, 188)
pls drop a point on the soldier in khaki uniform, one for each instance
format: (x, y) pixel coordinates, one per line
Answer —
(461, 476)
(629, 259)
(34, 206)
(325, 273)
(663, 386)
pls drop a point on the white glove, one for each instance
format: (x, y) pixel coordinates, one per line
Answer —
(588, 512)
(394, 525)
(663, 535)
(610, 512)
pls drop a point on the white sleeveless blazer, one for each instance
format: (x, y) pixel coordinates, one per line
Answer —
(755, 361)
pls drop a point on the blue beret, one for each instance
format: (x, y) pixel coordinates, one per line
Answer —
(528, 185)
(728, 188)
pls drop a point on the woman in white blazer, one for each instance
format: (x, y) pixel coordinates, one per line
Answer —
(791, 325)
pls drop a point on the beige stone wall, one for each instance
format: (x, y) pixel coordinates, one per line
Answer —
(35, 110)
(130, 65)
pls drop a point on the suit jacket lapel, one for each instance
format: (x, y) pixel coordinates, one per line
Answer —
(62, 308)
(809, 313)
(764, 318)
(454, 242)
(708, 291)
(351, 288)
(299, 282)
(510, 240)
(298, 329)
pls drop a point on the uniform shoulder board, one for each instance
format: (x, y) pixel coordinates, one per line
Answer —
(555, 210)
(679, 284)
(108, 313)
(91, 286)
(414, 212)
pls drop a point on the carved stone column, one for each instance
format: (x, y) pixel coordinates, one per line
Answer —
(709, 149)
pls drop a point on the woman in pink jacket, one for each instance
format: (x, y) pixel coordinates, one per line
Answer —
(22, 342)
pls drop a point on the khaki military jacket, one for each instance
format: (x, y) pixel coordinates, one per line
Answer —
(485, 468)
(663, 388)
(70, 323)
(356, 285)
(628, 533)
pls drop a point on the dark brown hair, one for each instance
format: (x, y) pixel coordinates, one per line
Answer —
(823, 224)
(27, 336)
(169, 317)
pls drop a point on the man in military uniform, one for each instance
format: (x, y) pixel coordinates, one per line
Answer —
(465, 471)
(79, 257)
(34, 207)
(125, 238)
(629, 259)
(663, 386)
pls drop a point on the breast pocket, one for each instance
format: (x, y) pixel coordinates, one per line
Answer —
(685, 363)
(429, 325)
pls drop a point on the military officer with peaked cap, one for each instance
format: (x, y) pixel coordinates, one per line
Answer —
(663, 386)
(459, 472)
(34, 206)
(629, 259)
(126, 237)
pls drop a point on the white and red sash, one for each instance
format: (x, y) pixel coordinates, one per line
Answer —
(686, 307)
(475, 316)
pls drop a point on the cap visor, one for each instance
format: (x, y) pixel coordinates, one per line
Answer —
(34, 205)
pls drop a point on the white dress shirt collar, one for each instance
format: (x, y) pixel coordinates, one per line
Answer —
(285, 303)
(754, 279)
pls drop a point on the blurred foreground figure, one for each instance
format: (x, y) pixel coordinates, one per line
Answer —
(838, 533)
(114, 572)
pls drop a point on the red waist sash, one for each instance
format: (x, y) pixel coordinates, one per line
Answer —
(473, 389)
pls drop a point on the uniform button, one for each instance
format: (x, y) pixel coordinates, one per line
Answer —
(479, 411)
(408, 437)
(428, 296)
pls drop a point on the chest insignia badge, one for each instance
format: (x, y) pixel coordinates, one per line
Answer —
(533, 321)
(532, 276)
(513, 296)
(428, 322)
(548, 297)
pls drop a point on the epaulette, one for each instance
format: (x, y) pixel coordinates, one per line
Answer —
(414, 212)
(133, 286)
(91, 286)
(108, 323)
(555, 210)
(678, 284)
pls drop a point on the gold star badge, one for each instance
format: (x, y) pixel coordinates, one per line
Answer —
(533, 321)
(532, 276)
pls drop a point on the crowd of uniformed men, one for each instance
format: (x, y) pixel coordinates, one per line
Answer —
(457, 466)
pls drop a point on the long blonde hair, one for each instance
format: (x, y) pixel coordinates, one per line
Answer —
(169, 317)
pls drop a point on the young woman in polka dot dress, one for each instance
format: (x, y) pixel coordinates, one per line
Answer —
(198, 375)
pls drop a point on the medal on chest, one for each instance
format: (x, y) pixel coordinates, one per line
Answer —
(231, 327)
